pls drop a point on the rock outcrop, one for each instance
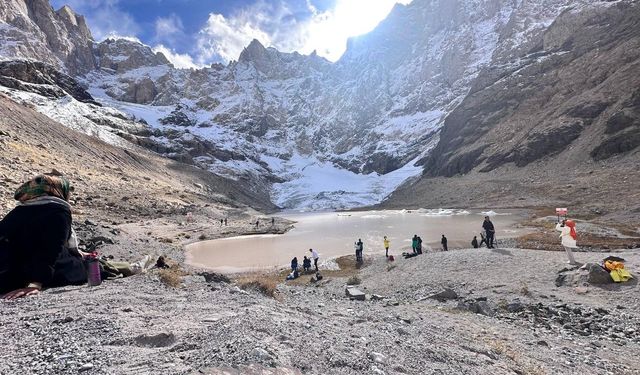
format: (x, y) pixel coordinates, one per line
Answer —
(565, 93)
(43, 79)
(33, 30)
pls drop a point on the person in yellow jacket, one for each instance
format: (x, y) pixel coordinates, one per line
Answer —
(386, 244)
(568, 237)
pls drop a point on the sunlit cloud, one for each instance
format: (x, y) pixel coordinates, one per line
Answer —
(180, 61)
(288, 25)
(223, 39)
(278, 24)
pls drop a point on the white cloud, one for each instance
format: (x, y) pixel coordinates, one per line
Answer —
(224, 38)
(169, 28)
(180, 61)
(278, 24)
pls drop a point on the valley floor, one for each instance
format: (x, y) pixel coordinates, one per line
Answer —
(523, 323)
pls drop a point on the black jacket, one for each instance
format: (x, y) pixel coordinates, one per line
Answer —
(34, 248)
(488, 226)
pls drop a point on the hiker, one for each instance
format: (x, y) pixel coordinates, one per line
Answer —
(359, 249)
(294, 263)
(419, 245)
(414, 244)
(568, 238)
(443, 241)
(225, 221)
(38, 246)
(293, 275)
(257, 223)
(221, 222)
(35, 252)
(315, 256)
(474, 242)
(483, 239)
(306, 264)
(385, 242)
(273, 221)
(487, 225)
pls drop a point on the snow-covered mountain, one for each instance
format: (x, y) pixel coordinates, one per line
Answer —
(321, 134)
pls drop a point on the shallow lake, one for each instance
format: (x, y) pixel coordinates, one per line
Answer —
(334, 234)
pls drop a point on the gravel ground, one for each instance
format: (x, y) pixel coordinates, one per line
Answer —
(525, 324)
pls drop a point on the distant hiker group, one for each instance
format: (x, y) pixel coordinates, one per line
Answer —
(306, 265)
(257, 222)
(487, 238)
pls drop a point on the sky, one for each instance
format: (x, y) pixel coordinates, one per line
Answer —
(194, 33)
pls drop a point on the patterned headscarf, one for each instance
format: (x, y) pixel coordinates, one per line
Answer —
(43, 185)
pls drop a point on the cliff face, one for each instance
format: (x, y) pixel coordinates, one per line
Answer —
(32, 29)
(558, 127)
(576, 93)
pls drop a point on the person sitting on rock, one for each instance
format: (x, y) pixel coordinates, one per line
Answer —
(38, 247)
(35, 252)
(306, 264)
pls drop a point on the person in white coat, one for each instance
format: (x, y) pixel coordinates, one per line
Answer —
(568, 237)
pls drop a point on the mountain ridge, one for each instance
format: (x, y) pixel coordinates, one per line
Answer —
(380, 108)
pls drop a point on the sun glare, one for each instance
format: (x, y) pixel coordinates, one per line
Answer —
(349, 18)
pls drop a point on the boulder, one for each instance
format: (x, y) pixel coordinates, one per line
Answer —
(212, 277)
(355, 293)
(515, 306)
(598, 275)
(478, 307)
(377, 357)
(446, 294)
(159, 340)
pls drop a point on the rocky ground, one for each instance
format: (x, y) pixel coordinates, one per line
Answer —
(512, 319)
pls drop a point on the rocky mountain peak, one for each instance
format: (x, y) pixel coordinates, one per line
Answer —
(60, 38)
(256, 53)
(253, 52)
(125, 54)
(73, 20)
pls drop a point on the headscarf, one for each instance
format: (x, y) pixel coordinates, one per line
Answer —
(43, 185)
(572, 225)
